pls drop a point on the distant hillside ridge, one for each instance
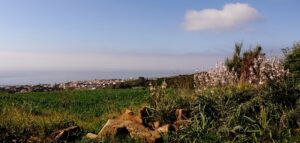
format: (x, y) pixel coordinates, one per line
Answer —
(185, 81)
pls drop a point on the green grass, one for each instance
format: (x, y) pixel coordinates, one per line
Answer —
(240, 113)
(39, 113)
(244, 113)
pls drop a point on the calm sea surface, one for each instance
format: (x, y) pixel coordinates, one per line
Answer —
(41, 77)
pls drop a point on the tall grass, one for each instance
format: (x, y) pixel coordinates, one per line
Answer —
(244, 113)
(40, 113)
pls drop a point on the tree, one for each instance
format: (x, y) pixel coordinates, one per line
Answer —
(234, 64)
(240, 64)
(292, 59)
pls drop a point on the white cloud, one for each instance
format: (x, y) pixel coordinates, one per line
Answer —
(232, 16)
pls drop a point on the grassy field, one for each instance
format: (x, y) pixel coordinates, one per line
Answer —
(39, 113)
(242, 113)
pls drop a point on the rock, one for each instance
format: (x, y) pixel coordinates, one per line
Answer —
(129, 116)
(182, 114)
(156, 124)
(144, 112)
(91, 136)
(65, 135)
(182, 118)
(33, 139)
(115, 128)
(144, 115)
(138, 126)
(166, 128)
(181, 123)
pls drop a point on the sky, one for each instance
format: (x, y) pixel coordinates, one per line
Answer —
(139, 34)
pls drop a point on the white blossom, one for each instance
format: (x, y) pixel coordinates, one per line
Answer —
(262, 70)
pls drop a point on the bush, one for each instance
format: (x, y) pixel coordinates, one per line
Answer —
(245, 113)
(240, 64)
(292, 60)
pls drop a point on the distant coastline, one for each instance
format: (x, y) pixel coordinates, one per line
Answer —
(16, 78)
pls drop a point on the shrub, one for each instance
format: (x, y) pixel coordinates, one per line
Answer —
(240, 64)
(252, 68)
(245, 114)
(292, 60)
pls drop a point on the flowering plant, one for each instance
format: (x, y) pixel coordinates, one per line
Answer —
(262, 70)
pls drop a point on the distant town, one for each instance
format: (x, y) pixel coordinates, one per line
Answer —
(86, 84)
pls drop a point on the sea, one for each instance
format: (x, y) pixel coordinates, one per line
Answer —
(48, 77)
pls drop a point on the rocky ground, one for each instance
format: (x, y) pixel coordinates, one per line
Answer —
(136, 127)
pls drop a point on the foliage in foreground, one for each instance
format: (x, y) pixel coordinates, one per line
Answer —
(292, 60)
(232, 108)
(244, 114)
(40, 113)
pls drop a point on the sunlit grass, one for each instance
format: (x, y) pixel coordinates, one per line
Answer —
(39, 113)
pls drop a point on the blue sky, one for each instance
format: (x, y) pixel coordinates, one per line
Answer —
(138, 34)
